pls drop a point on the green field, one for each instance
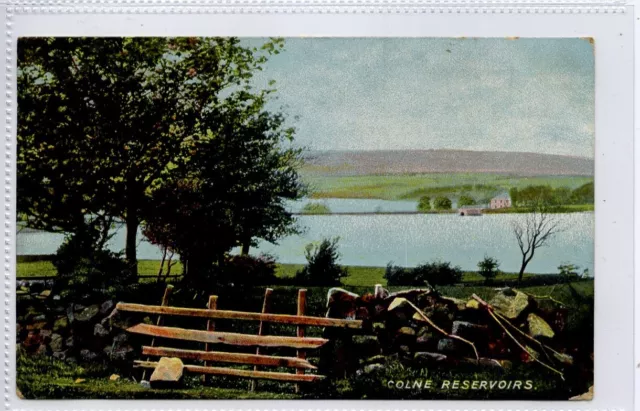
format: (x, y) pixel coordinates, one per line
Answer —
(414, 186)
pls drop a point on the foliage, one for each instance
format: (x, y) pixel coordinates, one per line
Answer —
(84, 270)
(465, 200)
(488, 267)
(568, 272)
(246, 270)
(146, 106)
(433, 273)
(532, 195)
(442, 203)
(322, 264)
(316, 208)
(424, 204)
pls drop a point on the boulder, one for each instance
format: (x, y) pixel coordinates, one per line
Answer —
(114, 377)
(373, 368)
(510, 303)
(60, 355)
(488, 363)
(70, 341)
(32, 342)
(587, 396)
(44, 294)
(539, 327)
(407, 331)
(70, 314)
(100, 331)
(380, 292)
(60, 324)
(341, 303)
(56, 343)
(42, 350)
(470, 331)
(88, 314)
(168, 373)
(106, 307)
(366, 345)
(88, 355)
(423, 357)
(452, 346)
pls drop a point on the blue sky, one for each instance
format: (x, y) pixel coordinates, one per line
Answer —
(532, 95)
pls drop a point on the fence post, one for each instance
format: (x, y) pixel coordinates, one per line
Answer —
(302, 302)
(211, 326)
(164, 302)
(265, 309)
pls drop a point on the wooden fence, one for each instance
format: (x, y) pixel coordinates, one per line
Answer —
(209, 336)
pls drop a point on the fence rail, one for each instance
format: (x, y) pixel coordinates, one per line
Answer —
(240, 315)
(210, 336)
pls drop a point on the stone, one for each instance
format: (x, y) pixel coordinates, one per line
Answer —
(429, 357)
(470, 331)
(378, 327)
(44, 294)
(341, 303)
(397, 303)
(376, 359)
(473, 304)
(33, 341)
(587, 396)
(510, 303)
(42, 350)
(46, 335)
(121, 353)
(373, 368)
(60, 323)
(563, 358)
(120, 339)
(539, 327)
(407, 331)
(56, 343)
(78, 307)
(145, 384)
(60, 355)
(79, 380)
(489, 363)
(69, 342)
(366, 345)
(100, 331)
(70, 313)
(450, 346)
(168, 372)
(106, 307)
(114, 377)
(412, 294)
(88, 314)
(40, 317)
(380, 292)
(88, 355)
(37, 326)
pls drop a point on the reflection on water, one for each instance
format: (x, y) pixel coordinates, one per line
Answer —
(374, 240)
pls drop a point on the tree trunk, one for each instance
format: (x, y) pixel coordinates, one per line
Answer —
(130, 247)
(522, 267)
(246, 245)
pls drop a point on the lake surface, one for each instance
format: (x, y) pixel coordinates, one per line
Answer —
(407, 240)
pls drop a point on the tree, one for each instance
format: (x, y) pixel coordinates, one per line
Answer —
(104, 121)
(442, 203)
(465, 200)
(424, 204)
(322, 267)
(488, 268)
(532, 231)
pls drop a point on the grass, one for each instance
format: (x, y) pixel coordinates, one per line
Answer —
(315, 208)
(414, 186)
(45, 268)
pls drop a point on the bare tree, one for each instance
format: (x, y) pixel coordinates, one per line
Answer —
(533, 231)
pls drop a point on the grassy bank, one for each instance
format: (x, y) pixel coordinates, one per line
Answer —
(414, 186)
(358, 275)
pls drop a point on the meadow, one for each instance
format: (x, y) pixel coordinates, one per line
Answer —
(481, 186)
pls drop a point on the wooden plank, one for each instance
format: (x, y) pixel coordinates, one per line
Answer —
(215, 337)
(212, 304)
(302, 302)
(230, 357)
(240, 315)
(164, 302)
(261, 326)
(268, 375)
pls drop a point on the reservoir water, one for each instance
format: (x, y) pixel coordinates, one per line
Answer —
(407, 240)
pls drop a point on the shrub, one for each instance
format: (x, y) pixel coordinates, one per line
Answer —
(424, 204)
(465, 200)
(439, 273)
(315, 208)
(396, 275)
(249, 270)
(86, 270)
(433, 273)
(322, 267)
(569, 272)
(488, 268)
(442, 203)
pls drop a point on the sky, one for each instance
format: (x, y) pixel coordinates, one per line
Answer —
(527, 95)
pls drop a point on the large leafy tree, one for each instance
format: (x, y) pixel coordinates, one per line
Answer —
(104, 122)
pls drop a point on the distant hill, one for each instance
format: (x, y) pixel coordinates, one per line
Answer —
(353, 163)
